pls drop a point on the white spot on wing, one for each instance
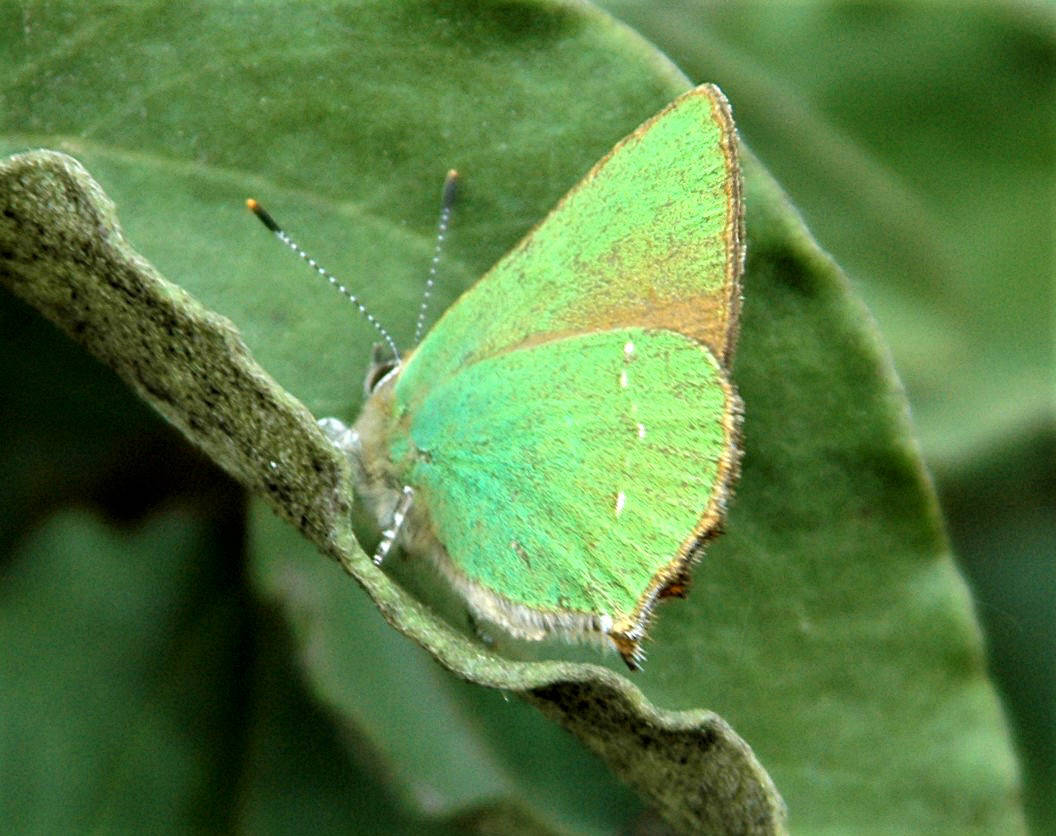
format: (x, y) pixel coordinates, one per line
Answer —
(623, 379)
(628, 350)
(641, 431)
(621, 500)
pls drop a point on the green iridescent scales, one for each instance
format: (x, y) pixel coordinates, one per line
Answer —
(565, 490)
(568, 427)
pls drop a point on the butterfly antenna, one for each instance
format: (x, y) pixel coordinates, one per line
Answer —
(282, 235)
(447, 202)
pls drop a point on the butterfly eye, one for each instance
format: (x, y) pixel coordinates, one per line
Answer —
(382, 364)
(377, 372)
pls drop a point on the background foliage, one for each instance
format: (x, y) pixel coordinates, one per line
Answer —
(916, 143)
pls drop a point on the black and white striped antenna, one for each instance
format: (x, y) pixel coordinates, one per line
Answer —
(284, 237)
(446, 204)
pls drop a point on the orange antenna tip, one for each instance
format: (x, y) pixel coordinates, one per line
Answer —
(262, 213)
(450, 187)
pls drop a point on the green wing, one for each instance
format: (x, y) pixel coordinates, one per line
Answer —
(650, 237)
(567, 475)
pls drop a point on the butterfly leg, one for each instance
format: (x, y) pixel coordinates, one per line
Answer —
(389, 535)
(342, 436)
(347, 440)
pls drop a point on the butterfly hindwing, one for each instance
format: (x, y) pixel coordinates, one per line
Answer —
(566, 476)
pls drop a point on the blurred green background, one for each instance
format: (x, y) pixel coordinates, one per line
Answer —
(917, 139)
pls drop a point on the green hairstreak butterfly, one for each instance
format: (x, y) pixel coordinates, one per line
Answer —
(563, 441)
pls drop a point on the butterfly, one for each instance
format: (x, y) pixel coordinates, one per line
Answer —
(563, 441)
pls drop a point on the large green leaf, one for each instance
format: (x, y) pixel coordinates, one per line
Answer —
(65, 254)
(828, 623)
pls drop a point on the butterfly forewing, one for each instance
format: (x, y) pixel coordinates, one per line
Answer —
(650, 237)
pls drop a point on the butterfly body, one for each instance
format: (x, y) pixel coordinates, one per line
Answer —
(564, 439)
